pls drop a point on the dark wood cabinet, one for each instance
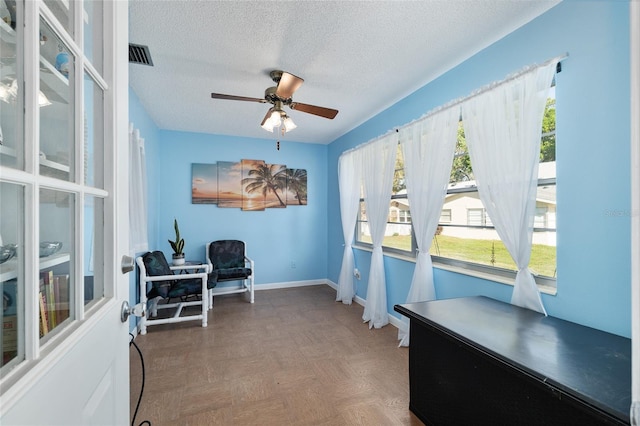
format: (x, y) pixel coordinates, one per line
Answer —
(476, 361)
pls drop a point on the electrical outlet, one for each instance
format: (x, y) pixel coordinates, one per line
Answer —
(293, 264)
(356, 273)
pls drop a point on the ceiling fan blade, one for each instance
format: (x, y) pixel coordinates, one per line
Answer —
(237, 98)
(267, 116)
(288, 84)
(315, 110)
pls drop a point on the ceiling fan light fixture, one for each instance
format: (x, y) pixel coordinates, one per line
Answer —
(266, 121)
(275, 118)
(288, 124)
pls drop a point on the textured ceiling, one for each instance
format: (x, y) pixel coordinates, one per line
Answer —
(357, 57)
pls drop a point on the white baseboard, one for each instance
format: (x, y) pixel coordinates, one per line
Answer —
(396, 322)
(332, 285)
(289, 284)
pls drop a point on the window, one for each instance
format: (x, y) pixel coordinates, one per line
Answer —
(398, 237)
(445, 216)
(540, 220)
(477, 217)
(465, 235)
(405, 216)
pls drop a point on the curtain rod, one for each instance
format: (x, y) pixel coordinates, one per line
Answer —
(486, 88)
(473, 94)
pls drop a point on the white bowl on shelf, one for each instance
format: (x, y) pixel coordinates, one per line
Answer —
(47, 248)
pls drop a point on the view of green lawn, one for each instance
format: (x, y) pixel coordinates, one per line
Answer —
(484, 252)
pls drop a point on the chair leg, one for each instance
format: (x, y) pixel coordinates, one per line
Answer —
(251, 288)
(205, 302)
(143, 301)
(153, 306)
(143, 324)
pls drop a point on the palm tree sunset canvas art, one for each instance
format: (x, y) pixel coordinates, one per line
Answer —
(251, 185)
(263, 185)
(296, 187)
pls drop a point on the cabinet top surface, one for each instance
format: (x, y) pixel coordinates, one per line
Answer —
(591, 364)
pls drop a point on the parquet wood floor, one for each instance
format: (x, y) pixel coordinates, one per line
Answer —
(294, 357)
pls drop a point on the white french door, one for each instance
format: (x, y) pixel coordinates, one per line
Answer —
(63, 212)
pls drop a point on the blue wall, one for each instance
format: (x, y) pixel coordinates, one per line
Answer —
(593, 166)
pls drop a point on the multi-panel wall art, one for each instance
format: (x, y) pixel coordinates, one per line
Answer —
(248, 184)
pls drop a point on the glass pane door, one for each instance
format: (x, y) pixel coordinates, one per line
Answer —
(63, 12)
(56, 103)
(12, 280)
(11, 143)
(56, 254)
(52, 181)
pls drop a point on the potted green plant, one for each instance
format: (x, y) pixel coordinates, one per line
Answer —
(177, 246)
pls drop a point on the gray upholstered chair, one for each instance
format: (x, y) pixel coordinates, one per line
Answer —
(228, 261)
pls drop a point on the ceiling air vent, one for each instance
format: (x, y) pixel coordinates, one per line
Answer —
(139, 54)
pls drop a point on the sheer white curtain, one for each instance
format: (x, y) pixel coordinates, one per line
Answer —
(427, 146)
(378, 166)
(138, 193)
(349, 181)
(503, 130)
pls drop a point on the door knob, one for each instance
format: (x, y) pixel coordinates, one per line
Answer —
(137, 311)
(126, 264)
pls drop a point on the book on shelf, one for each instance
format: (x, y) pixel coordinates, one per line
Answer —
(54, 300)
(47, 288)
(9, 338)
(9, 333)
(61, 294)
(44, 316)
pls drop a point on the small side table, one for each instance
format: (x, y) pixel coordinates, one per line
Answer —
(192, 266)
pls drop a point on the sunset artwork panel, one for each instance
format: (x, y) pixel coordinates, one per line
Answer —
(296, 187)
(251, 200)
(229, 184)
(204, 183)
